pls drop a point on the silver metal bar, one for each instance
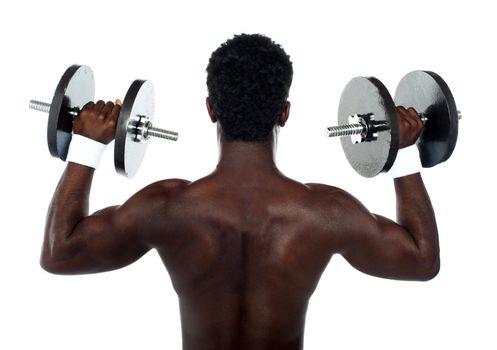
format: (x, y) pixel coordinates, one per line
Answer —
(357, 129)
(161, 133)
(39, 106)
(149, 130)
(345, 130)
(45, 107)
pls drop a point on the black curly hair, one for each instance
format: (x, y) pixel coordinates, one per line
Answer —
(248, 80)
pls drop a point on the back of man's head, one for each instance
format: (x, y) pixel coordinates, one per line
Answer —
(248, 79)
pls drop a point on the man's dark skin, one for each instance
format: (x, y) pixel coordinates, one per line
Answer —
(245, 246)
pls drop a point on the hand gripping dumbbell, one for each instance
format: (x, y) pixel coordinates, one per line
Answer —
(134, 126)
(367, 114)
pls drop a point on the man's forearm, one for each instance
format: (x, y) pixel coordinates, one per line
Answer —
(415, 213)
(68, 207)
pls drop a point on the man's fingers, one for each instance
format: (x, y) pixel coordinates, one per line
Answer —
(114, 114)
(410, 116)
(415, 116)
(412, 112)
(107, 109)
(406, 119)
(99, 105)
(88, 105)
(401, 110)
(410, 125)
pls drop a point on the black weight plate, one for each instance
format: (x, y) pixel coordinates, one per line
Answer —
(128, 153)
(428, 93)
(75, 89)
(363, 95)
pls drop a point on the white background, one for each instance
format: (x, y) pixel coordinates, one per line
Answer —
(170, 43)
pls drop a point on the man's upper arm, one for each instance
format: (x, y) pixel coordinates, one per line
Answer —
(116, 236)
(371, 243)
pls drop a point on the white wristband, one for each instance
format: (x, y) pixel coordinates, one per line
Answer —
(406, 163)
(85, 151)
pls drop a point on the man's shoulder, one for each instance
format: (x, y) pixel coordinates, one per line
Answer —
(326, 191)
(176, 188)
(332, 196)
(170, 184)
(163, 188)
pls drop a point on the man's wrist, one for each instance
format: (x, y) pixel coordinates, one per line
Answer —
(85, 151)
(406, 163)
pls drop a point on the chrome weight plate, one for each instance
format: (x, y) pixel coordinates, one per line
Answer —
(429, 95)
(137, 107)
(367, 95)
(75, 89)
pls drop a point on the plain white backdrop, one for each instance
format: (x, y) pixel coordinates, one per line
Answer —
(170, 43)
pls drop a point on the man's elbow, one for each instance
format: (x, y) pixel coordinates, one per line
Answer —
(54, 266)
(49, 266)
(429, 268)
(57, 258)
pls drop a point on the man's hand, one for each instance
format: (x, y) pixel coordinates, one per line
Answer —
(410, 126)
(98, 121)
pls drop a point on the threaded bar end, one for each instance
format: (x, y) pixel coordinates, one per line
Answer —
(162, 133)
(39, 106)
(345, 130)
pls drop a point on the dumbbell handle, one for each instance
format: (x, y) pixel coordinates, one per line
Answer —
(150, 130)
(358, 129)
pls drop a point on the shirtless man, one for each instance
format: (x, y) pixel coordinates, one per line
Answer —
(245, 246)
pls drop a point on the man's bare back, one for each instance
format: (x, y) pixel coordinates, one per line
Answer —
(241, 267)
(245, 246)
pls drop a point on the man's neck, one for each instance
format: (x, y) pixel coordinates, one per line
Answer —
(244, 157)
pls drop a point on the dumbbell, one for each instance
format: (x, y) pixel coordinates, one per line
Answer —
(368, 115)
(134, 126)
